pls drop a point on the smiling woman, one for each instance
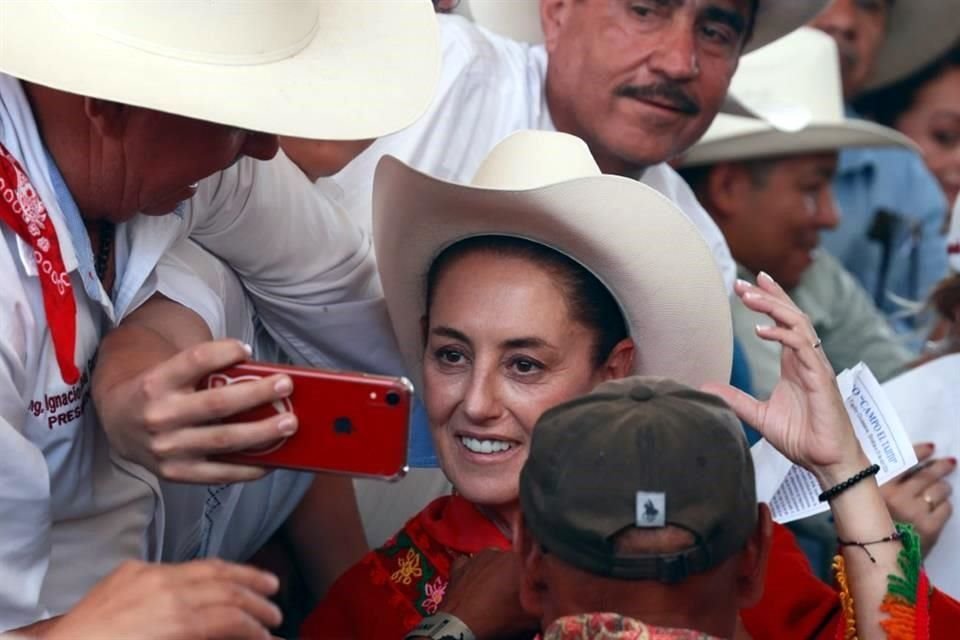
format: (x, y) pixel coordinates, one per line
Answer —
(538, 288)
(501, 347)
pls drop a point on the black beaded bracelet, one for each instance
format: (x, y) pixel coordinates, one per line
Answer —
(836, 490)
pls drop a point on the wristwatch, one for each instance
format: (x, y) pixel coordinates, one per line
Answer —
(441, 626)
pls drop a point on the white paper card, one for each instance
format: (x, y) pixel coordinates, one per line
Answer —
(881, 434)
(928, 401)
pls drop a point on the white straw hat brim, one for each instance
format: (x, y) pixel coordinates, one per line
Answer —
(732, 138)
(649, 255)
(370, 69)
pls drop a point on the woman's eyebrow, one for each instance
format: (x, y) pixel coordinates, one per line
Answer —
(450, 332)
(526, 343)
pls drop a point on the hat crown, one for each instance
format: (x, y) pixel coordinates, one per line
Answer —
(533, 159)
(247, 32)
(800, 71)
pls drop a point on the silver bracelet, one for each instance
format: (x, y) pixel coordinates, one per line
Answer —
(441, 626)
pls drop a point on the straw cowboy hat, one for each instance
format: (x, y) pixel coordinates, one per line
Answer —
(324, 69)
(546, 187)
(520, 19)
(798, 73)
(917, 32)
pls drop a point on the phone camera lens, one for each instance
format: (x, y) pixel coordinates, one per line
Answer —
(393, 398)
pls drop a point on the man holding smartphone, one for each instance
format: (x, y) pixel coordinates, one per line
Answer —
(111, 116)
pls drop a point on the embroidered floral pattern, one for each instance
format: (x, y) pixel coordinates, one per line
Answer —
(434, 591)
(409, 568)
(611, 626)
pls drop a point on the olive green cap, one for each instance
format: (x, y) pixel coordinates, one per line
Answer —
(639, 452)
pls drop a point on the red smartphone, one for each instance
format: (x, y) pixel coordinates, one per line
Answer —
(351, 423)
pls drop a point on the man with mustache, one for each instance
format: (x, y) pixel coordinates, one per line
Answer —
(638, 80)
(890, 234)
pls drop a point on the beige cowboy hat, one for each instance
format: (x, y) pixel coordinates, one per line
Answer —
(546, 187)
(917, 32)
(799, 75)
(322, 69)
(520, 19)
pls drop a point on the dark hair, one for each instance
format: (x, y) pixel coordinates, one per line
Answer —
(758, 169)
(589, 301)
(887, 104)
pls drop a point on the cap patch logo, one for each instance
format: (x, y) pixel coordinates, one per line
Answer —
(651, 509)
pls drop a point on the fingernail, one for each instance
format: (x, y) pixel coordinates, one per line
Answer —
(953, 461)
(743, 283)
(284, 385)
(287, 426)
(765, 276)
(762, 327)
(928, 445)
(248, 349)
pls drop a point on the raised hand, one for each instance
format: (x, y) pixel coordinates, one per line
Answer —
(804, 418)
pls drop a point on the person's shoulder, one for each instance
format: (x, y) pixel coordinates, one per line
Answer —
(473, 46)
(905, 171)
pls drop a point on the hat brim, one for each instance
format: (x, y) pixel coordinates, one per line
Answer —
(520, 19)
(371, 69)
(918, 32)
(748, 139)
(649, 255)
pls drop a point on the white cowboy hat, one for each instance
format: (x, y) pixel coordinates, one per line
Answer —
(546, 187)
(798, 74)
(520, 19)
(917, 32)
(322, 69)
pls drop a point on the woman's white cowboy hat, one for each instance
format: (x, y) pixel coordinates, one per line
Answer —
(546, 187)
(799, 75)
(322, 69)
(917, 32)
(520, 19)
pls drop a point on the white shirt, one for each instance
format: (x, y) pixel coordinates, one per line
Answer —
(305, 263)
(70, 511)
(490, 87)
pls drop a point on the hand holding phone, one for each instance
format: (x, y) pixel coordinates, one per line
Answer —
(350, 423)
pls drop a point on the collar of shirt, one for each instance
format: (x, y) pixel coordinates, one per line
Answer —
(86, 265)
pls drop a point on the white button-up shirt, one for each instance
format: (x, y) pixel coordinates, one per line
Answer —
(490, 87)
(69, 510)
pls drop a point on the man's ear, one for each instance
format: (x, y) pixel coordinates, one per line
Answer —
(554, 15)
(619, 363)
(108, 118)
(752, 567)
(532, 583)
(727, 183)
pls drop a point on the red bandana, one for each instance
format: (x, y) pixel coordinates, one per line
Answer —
(22, 211)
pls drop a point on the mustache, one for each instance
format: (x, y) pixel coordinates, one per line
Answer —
(668, 93)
